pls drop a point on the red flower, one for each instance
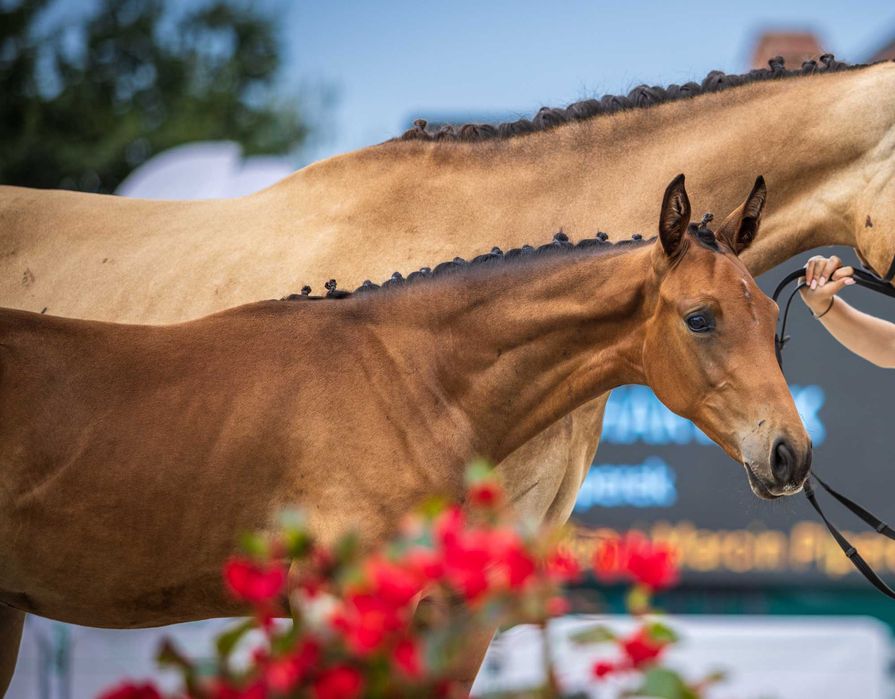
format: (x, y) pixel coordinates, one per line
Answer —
(476, 560)
(449, 525)
(563, 566)
(641, 649)
(220, 689)
(637, 558)
(486, 494)
(466, 557)
(424, 563)
(513, 565)
(365, 620)
(396, 585)
(603, 668)
(653, 566)
(254, 582)
(254, 691)
(132, 690)
(283, 674)
(341, 682)
(557, 606)
(406, 657)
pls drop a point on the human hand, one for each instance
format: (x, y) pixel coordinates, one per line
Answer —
(824, 278)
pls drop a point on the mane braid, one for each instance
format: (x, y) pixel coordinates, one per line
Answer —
(559, 245)
(640, 97)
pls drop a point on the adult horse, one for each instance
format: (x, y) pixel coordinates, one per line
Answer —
(132, 455)
(824, 137)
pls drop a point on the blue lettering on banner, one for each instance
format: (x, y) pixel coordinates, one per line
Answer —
(634, 414)
(650, 484)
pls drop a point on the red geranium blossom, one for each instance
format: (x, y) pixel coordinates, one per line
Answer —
(284, 673)
(132, 690)
(466, 556)
(424, 563)
(563, 566)
(254, 582)
(395, 584)
(637, 558)
(365, 621)
(341, 682)
(486, 493)
(514, 566)
(602, 668)
(640, 649)
(406, 657)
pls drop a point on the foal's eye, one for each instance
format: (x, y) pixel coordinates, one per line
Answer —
(700, 322)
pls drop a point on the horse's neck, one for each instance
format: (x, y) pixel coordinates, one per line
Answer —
(817, 140)
(518, 345)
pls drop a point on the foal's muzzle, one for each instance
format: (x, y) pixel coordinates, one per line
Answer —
(788, 468)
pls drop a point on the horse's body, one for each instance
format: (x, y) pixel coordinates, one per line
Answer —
(132, 456)
(826, 146)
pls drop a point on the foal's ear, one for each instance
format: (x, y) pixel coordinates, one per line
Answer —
(675, 216)
(741, 227)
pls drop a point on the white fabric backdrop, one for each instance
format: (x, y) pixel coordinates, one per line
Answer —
(766, 657)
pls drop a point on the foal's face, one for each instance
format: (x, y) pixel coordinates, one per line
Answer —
(709, 350)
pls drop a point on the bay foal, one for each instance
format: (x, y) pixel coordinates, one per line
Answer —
(132, 456)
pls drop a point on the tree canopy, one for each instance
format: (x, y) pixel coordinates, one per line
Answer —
(82, 104)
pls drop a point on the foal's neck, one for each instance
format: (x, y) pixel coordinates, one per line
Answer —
(514, 346)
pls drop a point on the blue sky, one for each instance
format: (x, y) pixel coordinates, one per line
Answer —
(388, 61)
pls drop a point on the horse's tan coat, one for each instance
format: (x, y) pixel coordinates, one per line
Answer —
(134, 455)
(825, 144)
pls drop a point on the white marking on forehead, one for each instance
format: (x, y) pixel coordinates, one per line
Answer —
(747, 294)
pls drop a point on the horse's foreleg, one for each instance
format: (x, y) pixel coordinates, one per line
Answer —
(465, 662)
(11, 623)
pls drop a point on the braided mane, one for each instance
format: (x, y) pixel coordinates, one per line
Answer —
(559, 245)
(640, 97)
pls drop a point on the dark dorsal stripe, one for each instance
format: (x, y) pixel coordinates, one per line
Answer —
(640, 97)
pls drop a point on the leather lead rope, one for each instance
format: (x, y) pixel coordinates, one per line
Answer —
(850, 551)
(881, 286)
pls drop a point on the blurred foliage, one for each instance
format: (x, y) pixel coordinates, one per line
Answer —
(84, 103)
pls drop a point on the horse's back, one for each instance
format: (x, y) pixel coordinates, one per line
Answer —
(116, 258)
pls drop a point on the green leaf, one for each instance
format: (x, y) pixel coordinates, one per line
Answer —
(595, 634)
(665, 684)
(170, 656)
(227, 641)
(638, 600)
(433, 507)
(660, 633)
(347, 548)
(254, 545)
(281, 643)
(715, 677)
(478, 471)
(298, 543)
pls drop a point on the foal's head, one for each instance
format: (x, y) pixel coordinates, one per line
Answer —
(709, 349)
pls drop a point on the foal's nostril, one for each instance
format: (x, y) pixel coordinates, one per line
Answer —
(782, 462)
